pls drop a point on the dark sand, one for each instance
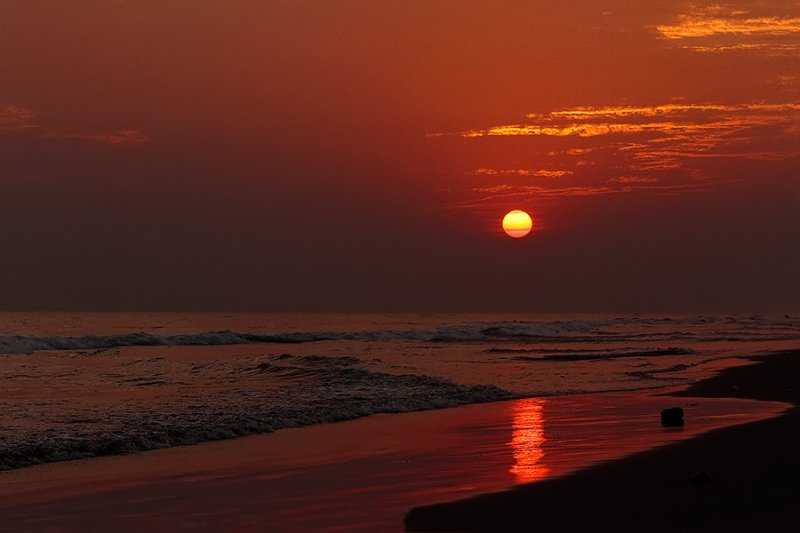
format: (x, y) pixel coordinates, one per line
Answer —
(741, 478)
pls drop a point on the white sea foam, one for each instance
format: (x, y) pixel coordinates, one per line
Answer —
(272, 393)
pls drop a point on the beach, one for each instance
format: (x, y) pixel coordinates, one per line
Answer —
(332, 423)
(361, 475)
(736, 479)
(370, 266)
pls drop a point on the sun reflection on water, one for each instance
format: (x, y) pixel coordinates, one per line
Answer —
(527, 438)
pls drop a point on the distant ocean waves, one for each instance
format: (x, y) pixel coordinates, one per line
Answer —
(305, 390)
(70, 405)
(627, 329)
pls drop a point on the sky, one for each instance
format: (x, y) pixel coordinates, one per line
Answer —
(353, 155)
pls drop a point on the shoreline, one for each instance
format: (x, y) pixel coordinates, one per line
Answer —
(146, 405)
(137, 400)
(298, 479)
(736, 478)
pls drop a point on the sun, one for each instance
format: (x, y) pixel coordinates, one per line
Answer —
(517, 224)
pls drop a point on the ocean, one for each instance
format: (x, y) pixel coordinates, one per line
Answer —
(89, 384)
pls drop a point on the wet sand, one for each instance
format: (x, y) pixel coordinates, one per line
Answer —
(741, 478)
(361, 475)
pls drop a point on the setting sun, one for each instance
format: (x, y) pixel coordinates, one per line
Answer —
(517, 224)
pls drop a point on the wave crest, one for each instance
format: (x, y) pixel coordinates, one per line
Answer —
(697, 329)
(311, 390)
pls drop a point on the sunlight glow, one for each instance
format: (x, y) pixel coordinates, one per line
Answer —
(527, 439)
(517, 224)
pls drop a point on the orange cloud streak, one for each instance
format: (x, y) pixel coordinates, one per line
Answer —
(689, 26)
(521, 172)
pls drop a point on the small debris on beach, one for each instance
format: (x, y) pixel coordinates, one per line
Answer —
(672, 417)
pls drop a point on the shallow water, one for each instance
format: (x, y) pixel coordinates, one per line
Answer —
(353, 476)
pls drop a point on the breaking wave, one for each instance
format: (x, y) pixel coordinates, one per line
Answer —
(313, 390)
(695, 329)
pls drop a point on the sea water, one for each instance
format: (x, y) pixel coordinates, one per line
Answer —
(87, 384)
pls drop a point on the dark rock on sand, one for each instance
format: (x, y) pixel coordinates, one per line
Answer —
(672, 417)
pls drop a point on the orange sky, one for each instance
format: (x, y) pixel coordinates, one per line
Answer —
(353, 154)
